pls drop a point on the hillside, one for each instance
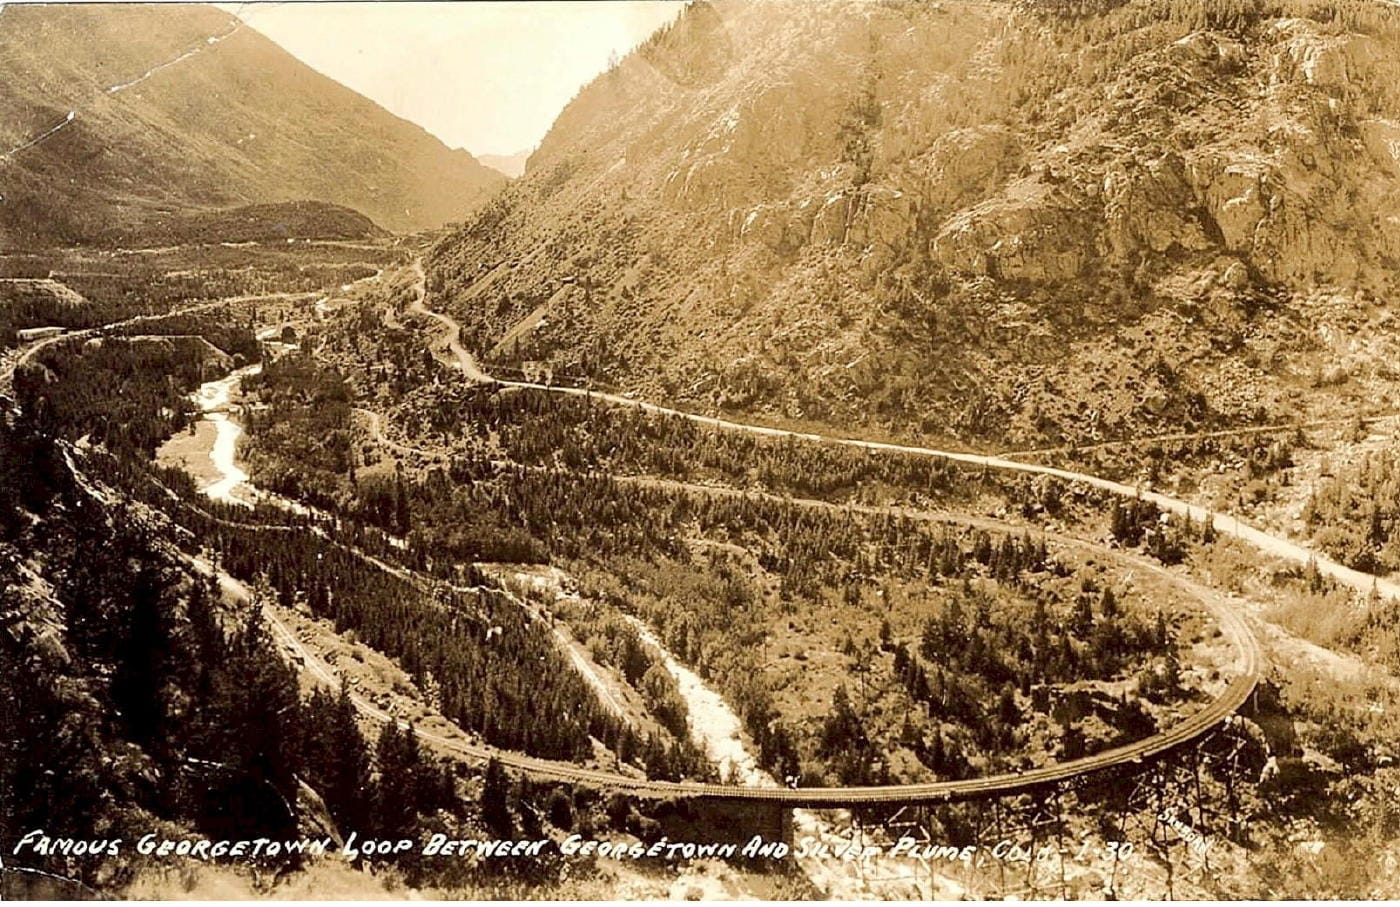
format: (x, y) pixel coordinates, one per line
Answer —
(1015, 224)
(259, 223)
(512, 165)
(180, 109)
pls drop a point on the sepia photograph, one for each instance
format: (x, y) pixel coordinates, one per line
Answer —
(645, 450)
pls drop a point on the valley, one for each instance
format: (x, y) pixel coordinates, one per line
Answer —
(316, 328)
(914, 438)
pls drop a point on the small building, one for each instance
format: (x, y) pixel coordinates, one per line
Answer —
(537, 372)
(27, 335)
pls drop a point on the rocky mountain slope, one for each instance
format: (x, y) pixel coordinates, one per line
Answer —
(1007, 223)
(181, 109)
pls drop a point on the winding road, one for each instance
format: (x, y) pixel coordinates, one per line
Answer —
(1204, 721)
(1218, 712)
(1224, 524)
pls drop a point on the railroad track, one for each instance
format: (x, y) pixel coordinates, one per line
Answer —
(1219, 712)
(1224, 524)
(1206, 720)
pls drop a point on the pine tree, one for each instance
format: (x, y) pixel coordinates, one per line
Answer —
(251, 727)
(143, 672)
(560, 808)
(1108, 605)
(495, 801)
(396, 756)
(1007, 711)
(402, 522)
(337, 758)
(1083, 616)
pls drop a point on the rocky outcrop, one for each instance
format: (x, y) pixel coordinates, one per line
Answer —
(1338, 63)
(1148, 208)
(1030, 233)
(873, 218)
(965, 163)
(1235, 196)
(750, 149)
(833, 218)
(1382, 137)
(881, 219)
(1208, 51)
(782, 229)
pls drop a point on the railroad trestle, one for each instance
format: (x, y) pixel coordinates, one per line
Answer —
(1156, 829)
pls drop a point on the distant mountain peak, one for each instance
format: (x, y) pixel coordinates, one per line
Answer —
(180, 91)
(511, 165)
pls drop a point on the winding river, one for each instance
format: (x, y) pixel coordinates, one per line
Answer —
(210, 454)
(716, 728)
(214, 401)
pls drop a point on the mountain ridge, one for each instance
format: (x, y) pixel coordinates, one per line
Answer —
(1020, 224)
(182, 108)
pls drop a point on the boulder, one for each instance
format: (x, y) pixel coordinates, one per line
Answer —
(1236, 276)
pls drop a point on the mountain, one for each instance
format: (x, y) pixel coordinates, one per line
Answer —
(179, 109)
(1003, 223)
(512, 165)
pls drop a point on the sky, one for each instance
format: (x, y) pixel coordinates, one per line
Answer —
(486, 76)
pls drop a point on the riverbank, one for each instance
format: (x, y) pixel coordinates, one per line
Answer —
(208, 452)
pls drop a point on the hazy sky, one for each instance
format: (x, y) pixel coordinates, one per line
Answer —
(488, 77)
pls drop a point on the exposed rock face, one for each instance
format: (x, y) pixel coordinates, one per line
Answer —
(777, 227)
(1235, 197)
(1383, 141)
(1025, 234)
(1143, 210)
(964, 163)
(1339, 63)
(882, 218)
(832, 220)
(960, 218)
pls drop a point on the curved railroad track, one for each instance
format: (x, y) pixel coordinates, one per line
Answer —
(1218, 712)
(1224, 524)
